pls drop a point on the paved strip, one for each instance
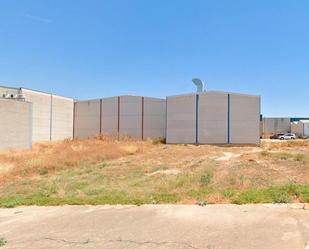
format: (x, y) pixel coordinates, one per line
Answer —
(157, 227)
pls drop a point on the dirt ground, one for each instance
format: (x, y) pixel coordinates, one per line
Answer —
(102, 170)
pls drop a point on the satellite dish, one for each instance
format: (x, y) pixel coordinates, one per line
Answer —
(199, 85)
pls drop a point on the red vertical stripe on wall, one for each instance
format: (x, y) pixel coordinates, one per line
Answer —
(118, 130)
(101, 116)
(142, 118)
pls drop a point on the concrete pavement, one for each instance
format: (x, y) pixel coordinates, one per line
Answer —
(157, 227)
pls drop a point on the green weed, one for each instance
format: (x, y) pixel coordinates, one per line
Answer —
(3, 242)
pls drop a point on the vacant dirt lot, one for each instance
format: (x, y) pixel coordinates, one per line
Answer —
(104, 171)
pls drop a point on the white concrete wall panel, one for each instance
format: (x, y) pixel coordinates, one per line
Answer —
(62, 118)
(41, 114)
(87, 118)
(213, 118)
(131, 116)
(15, 124)
(181, 119)
(244, 119)
(110, 116)
(154, 117)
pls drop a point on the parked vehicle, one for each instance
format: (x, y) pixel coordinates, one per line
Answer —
(287, 136)
(276, 136)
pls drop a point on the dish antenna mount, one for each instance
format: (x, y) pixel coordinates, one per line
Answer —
(199, 85)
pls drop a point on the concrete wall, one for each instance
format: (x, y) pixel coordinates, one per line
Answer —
(134, 116)
(62, 118)
(52, 115)
(41, 114)
(181, 119)
(219, 117)
(154, 118)
(87, 118)
(110, 116)
(15, 125)
(130, 116)
(276, 125)
(244, 119)
(213, 118)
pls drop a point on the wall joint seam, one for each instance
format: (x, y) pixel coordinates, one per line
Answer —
(228, 119)
(196, 118)
(143, 118)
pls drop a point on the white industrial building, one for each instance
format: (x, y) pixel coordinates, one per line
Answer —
(51, 116)
(276, 125)
(213, 118)
(200, 118)
(300, 128)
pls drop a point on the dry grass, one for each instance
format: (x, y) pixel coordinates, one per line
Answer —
(103, 170)
(53, 157)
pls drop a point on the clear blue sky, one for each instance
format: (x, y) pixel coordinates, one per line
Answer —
(95, 48)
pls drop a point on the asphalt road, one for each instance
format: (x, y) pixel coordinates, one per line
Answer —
(157, 226)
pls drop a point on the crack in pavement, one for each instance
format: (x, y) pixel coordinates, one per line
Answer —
(126, 241)
(70, 242)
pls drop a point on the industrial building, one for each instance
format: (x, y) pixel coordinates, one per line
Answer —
(213, 118)
(200, 118)
(51, 115)
(134, 116)
(278, 125)
(300, 128)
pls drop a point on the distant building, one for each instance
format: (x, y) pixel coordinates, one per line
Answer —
(300, 128)
(277, 125)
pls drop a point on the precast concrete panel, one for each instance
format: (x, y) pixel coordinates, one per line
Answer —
(62, 118)
(109, 116)
(15, 124)
(87, 118)
(244, 119)
(41, 114)
(130, 116)
(181, 119)
(154, 120)
(213, 118)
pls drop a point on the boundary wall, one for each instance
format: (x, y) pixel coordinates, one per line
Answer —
(134, 116)
(213, 118)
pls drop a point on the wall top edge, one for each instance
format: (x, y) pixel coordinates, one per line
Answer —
(217, 92)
